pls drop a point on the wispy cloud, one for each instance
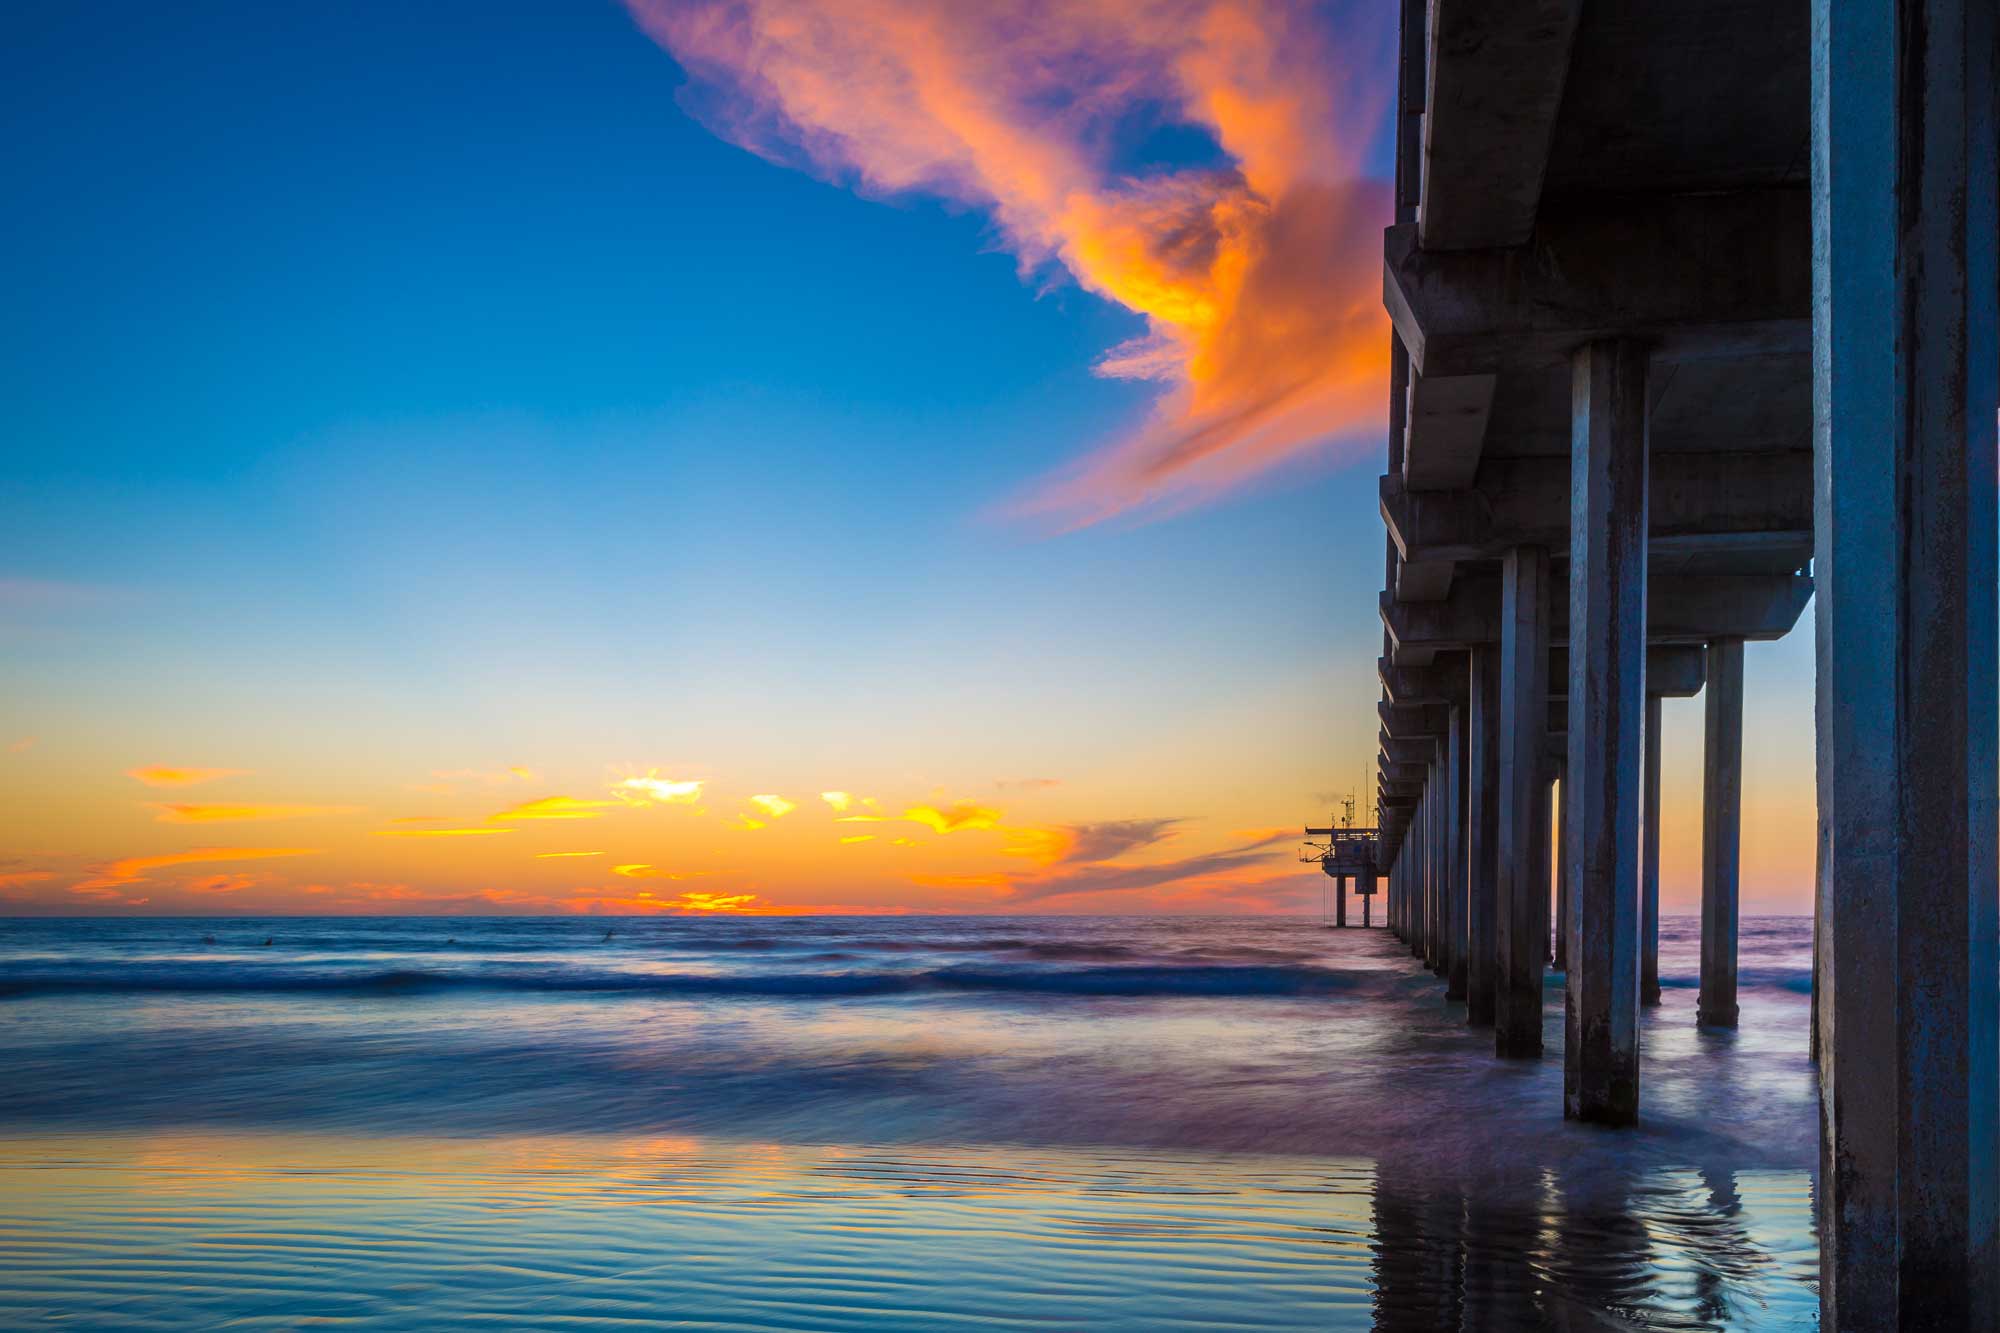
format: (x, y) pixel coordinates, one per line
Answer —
(776, 807)
(172, 775)
(554, 856)
(1027, 784)
(491, 777)
(839, 800)
(134, 869)
(439, 832)
(181, 813)
(558, 807)
(1255, 266)
(643, 871)
(21, 746)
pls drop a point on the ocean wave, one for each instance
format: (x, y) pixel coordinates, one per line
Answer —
(1218, 982)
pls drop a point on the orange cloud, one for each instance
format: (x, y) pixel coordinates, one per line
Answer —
(134, 869)
(859, 837)
(166, 775)
(15, 878)
(438, 832)
(558, 807)
(1255, 265)
(21, 746)
(692, 901)
(550, 856)
(953, 819)
(170, 813)
(777, 807)
(643, 871)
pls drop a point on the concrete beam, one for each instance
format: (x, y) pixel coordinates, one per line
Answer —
(1496, 81)
(1697, 275)
(1680, 608)
(1412, 720)
(1405, 751)
(1699, 502)
(1449, 414)
(1427, 582)
(1673, 671)
(1442, 682)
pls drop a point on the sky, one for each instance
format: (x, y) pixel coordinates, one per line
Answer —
(708, 455)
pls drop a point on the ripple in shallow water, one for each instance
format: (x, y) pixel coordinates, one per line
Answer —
(176, 1231)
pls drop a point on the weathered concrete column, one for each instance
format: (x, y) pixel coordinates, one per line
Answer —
(1420, 878)
(1545, 793)
(1456, 923)
(1559, 959)
(1482, 832)
(1440, 798)
(1524, 722)
(1721, 831)
(1367, 899)
(1649, 863)
(1607, 705)
(1340, 900)
(1904, 177)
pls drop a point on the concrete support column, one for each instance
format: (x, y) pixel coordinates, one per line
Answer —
(1559, 959)
(1649, 863)
(1439, 800)
(1607, 705)
(1905, 345)
(1721, 832)
(1340, 901)
(1482, 827)
(1367, 898)
(1454, 853)
(1524, 724)
(1545, 793)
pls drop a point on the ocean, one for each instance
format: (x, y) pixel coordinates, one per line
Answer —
(868, 1122)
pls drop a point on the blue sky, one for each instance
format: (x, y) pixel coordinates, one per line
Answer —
(392, 389)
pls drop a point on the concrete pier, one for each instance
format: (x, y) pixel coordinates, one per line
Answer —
(1904, 171)
(1607, 697)
(1649, 861)
(1482, 835)
(1695, 317)
(1457, 922)
(1721, 832)
(1559, 951)
(1520, 931)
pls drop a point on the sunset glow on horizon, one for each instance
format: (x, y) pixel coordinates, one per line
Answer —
(719, 456)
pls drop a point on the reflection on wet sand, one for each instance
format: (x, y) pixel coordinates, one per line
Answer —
(1562, 1249)
(883, 1124)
